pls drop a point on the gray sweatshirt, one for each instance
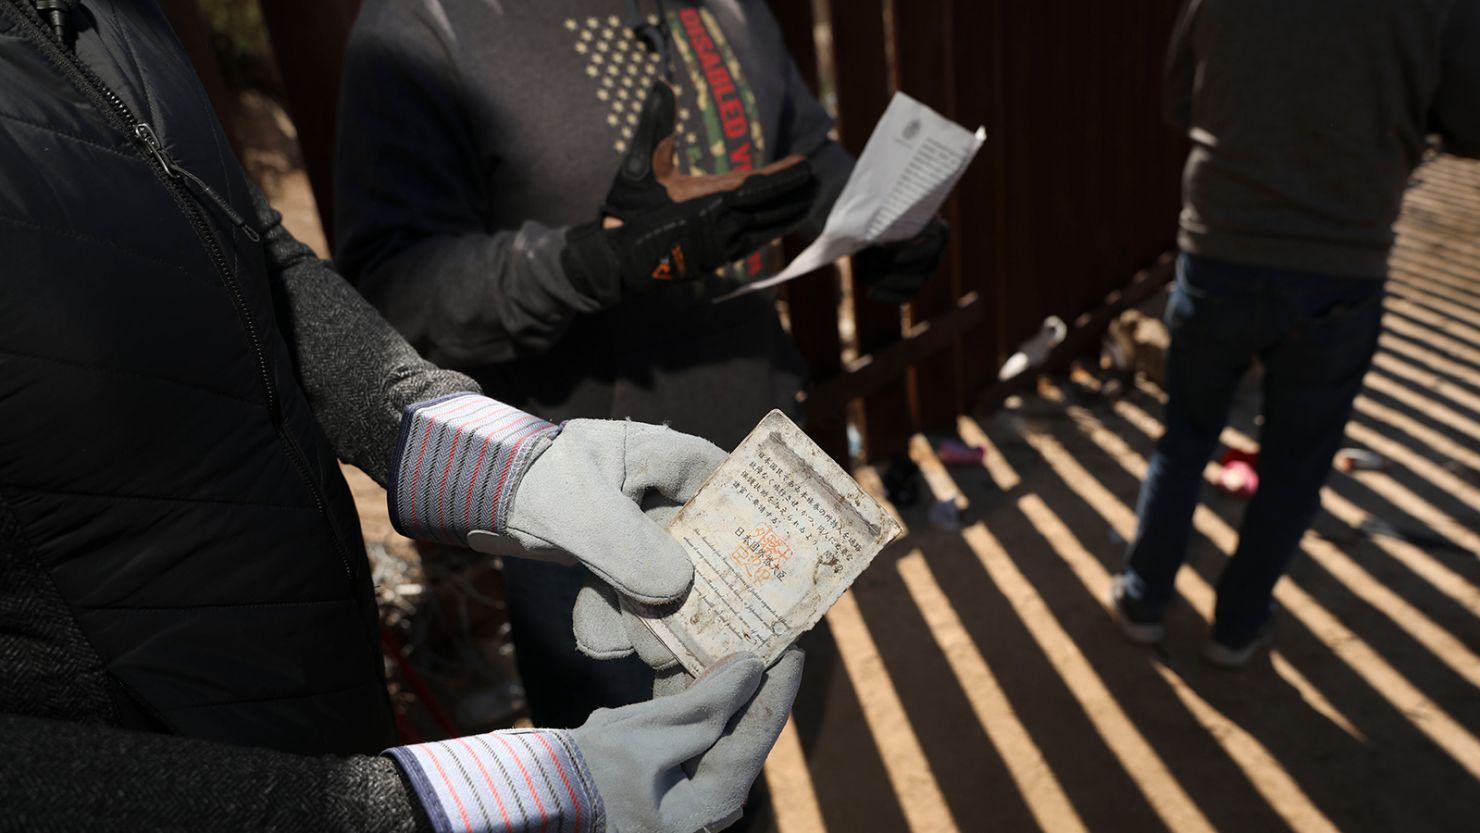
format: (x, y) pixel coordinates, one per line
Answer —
(1307, 118)
(473, 134)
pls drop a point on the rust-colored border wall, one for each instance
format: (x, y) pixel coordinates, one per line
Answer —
(1076, 190)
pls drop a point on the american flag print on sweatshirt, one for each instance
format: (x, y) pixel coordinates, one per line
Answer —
(457, 463)
(503, 782)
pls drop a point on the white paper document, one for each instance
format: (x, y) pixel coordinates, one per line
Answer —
(776, 534)
(908, 168)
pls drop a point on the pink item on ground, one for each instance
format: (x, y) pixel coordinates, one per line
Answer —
(1239, 477)
(956, 453)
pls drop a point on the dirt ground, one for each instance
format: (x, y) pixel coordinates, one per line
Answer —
(973, 680)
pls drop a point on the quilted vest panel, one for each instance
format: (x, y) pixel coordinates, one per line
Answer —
(157, 455)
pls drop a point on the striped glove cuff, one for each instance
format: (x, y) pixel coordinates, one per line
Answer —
(503, 782)
(457, 462)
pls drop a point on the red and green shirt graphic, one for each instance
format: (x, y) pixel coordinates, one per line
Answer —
(719, 129)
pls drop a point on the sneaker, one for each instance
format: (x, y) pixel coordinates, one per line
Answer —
(1138, 626)
(1231, 658)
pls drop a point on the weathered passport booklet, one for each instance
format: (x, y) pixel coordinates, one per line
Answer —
(776, 534)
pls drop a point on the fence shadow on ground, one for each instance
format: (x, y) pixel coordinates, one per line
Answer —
(974, 680)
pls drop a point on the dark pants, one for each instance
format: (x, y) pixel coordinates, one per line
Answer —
(1315, 336)
(563, 685)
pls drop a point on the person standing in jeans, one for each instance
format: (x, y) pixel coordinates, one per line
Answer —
(1306, 120)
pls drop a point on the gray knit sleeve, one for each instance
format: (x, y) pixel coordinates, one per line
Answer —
(58, 775)
(356, 369)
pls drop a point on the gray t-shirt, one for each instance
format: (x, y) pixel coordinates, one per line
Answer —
(1307, 118)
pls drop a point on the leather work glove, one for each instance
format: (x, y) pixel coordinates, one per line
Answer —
(685, 763)
(893, 273)
(659, 227)
(605, 629)
(677, 765)
(583, 498)
(473, 470)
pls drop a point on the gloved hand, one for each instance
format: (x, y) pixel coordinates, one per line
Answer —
(675, 765)
(893, 273)
(605, 629)
(683, 763)
(584, 497)
(658, 227)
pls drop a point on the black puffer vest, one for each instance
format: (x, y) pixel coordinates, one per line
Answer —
(178, 550)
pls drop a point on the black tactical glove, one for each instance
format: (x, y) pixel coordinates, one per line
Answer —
(658, 227)
(894, 272)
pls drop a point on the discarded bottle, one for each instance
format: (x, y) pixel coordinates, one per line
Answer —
(1359, 459)
(1034, 351)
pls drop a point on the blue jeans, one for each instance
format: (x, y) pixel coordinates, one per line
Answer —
(1315, 336)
